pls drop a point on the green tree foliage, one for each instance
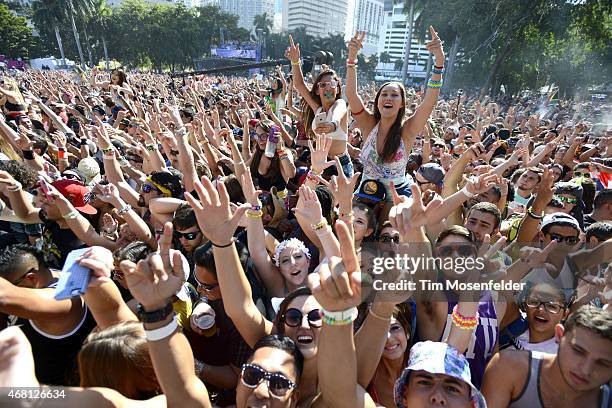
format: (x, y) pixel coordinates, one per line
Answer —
(525, 44)
(16, 39)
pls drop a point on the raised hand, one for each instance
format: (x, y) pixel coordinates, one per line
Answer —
(215, 217)
(248, 189)
(109, 193)
(16, 360)
(435, 47)
(100, 261)
(410, 213)
(536, 257)
(308, 207)
(546, 190)
(337, 285)
(154, 280)
(482, 183)
(355, 44)
(341, 186)
(293, 52)
(319, 153)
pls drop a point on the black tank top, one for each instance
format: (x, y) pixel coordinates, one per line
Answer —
(55, 356)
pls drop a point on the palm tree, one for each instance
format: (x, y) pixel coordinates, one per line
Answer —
(81, 9)
(49, 13)
(98, 24)
(385, 57)
(264, 23)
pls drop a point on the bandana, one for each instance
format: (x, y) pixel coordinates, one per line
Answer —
(161, 188)
(292, 242)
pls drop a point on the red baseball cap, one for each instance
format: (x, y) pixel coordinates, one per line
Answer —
(77, 193)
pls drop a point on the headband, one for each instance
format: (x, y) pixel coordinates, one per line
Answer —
(161, 188)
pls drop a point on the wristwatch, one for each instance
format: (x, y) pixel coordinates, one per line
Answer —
(154, 316)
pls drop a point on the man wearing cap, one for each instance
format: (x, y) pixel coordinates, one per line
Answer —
(58, 239)
(437, 375)
(430, 177)
(371, 193)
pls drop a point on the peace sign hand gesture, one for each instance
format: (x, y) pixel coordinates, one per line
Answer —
(407, 214)
(337, 285)
(154, 280)
(355, 44)
(435, 47)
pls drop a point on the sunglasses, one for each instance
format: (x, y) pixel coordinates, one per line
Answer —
(23, 277)
(578, 174)
(326, 84)
(69, 176)
(441, 146)
(189, 236)
(293, 317)
(420, 183)
(147, 188)
(568, 200)
(560, 238)
(464, 250)
(388, 238)
(551, 307)
(279, 385)
(206, 286)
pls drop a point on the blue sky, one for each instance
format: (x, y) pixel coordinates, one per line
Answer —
(278, 6)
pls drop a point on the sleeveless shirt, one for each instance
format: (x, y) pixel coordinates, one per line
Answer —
(374, 167)
(484, 338)
(530, 397)
(55, 356)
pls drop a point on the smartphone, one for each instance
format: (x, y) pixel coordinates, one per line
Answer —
(44, 187)
(503, 134)
(489, 140)
(512, 142)
(74, 278)
(319, 118)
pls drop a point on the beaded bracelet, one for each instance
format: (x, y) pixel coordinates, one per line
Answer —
(256, 207)
(61, 154)
(15, 187)
(437, 71)
(254, 213)
(339, 318)
(348, 215)
(434, 84)
(463, 322)
(71, 215)
(351, 61)
(295, 62)
(311, 175)
(106, 151)
(319, 226)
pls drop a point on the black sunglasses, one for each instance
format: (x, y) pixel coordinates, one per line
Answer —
(278, 384)
(189, 236)
(293, 317)
(463, 250)
(206, 286)
(388, 238)
(560, 238)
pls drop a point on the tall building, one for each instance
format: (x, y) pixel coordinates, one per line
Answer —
(393, 40)
(246, 10)
(368, 16)
(320, 18)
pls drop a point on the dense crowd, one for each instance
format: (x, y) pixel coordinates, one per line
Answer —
(234, 230)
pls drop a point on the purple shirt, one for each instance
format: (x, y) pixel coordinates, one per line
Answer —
(480, 349)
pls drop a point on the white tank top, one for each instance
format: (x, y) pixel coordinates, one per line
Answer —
(339, 134)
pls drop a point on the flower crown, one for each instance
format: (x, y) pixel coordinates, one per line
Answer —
(292, 242)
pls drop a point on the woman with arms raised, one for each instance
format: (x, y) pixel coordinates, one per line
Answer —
(389, 135)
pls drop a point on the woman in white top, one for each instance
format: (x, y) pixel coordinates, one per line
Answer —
(323, 109)
(390, 135)
(546, 306)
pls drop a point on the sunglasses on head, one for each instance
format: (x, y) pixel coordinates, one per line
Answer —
(189, 236)
(327, 84)
(278, 385)
(463, 250)
(572, 240)
(569, 200)
(206, 286)
(293, 317)
(551, 307)
(147, 188)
